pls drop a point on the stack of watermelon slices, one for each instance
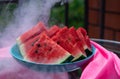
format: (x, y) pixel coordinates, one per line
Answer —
(54, 45)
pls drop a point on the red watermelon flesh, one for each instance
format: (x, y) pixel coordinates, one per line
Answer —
(78, 43)
(72, 32)
(66, 40)
(26, 46)
(37, 29)
(81, 37)
(46, 51)
(83, 31)
(87, 40)
(80, 55)
(53, 30)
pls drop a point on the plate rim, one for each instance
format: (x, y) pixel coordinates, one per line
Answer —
(71, 63)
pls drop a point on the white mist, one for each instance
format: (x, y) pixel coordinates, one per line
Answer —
(26, 15)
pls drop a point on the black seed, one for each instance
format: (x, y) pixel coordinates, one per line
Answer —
(32, 44)
(38, 45)
(58, 42)
(36, 51)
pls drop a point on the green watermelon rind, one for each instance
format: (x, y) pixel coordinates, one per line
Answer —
(78, 57)
(61, 61)
(18, 41)
(22, 50)
(68, 60)
(18, 56)
(65, 59)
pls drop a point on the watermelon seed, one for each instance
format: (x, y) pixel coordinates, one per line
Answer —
(36, 51)
(32, 44)
(38, 45)
(58, 42)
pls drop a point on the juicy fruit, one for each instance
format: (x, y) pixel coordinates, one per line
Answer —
(36, 30)
(54, 45)
(26, 40)
(82, 34)
(45, 50)
(52, 31)
(26, 46)
(68, 39)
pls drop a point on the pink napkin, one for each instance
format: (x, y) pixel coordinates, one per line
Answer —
(104, 65)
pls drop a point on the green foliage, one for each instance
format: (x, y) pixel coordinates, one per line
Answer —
(6, 13)
(57, 15)
(76, 14)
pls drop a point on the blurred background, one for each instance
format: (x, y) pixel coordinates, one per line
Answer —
(101, 18)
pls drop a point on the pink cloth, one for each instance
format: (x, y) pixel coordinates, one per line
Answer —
(104, 65)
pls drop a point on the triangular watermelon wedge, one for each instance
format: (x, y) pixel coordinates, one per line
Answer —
(27, 45)
(77, 44)
(52, 31)
(68, 43)
(66, 40)
(46, 51)
(82, 34)
(36, 30)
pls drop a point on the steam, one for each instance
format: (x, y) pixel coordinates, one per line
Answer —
(17, 71)
(26, 15)
(10, 69)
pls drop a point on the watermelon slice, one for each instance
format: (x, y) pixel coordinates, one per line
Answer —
(36, 30)
(46, 51)
(82, 34)
(78, 43)
(26, 46)
(68, 41)
(54, 45)
(72, 31)
(86, 37)
(89, 50)
(83, 31)
(52, 31)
